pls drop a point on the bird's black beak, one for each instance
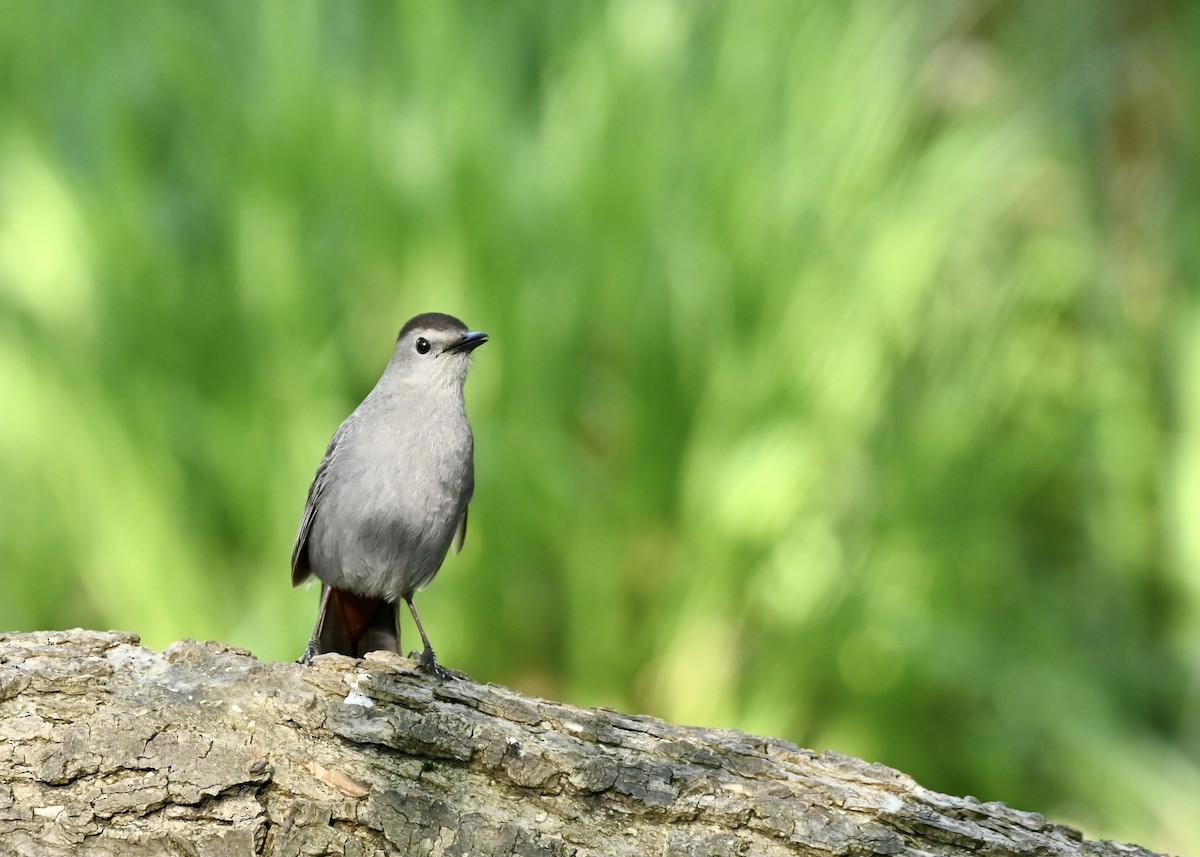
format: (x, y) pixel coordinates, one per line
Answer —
(469, 342)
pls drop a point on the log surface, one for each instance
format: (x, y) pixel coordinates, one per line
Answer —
(109, 748)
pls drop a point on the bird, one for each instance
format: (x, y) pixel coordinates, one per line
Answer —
(390, 497)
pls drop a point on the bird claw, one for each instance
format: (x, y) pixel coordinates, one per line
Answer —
(427, 663)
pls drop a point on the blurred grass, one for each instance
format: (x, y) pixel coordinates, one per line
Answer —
(844, 383)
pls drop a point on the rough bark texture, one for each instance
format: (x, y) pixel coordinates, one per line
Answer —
(110, 748)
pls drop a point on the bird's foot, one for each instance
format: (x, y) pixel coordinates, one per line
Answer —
(427, 663)
(309, 654)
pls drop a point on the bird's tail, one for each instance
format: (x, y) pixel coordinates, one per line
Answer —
(353, 625)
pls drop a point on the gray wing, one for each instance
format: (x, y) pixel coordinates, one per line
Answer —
(460, 534)
(300, 567)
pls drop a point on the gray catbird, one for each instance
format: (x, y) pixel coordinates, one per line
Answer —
(391, 494)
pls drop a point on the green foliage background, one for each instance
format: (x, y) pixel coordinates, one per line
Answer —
(844, 384)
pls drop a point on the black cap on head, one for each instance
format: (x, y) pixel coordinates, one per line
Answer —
(432, 321)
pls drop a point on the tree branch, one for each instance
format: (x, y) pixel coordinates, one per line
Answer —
(110, 748)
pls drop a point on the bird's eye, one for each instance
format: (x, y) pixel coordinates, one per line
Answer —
(422, 345)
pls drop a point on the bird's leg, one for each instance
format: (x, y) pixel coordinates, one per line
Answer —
(314, 647)
(428, 660)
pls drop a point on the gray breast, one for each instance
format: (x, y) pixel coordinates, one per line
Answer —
(387, 519)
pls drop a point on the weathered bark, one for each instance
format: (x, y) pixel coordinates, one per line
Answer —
(110, 748)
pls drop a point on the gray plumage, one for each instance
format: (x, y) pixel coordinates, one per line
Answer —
(391, 495)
